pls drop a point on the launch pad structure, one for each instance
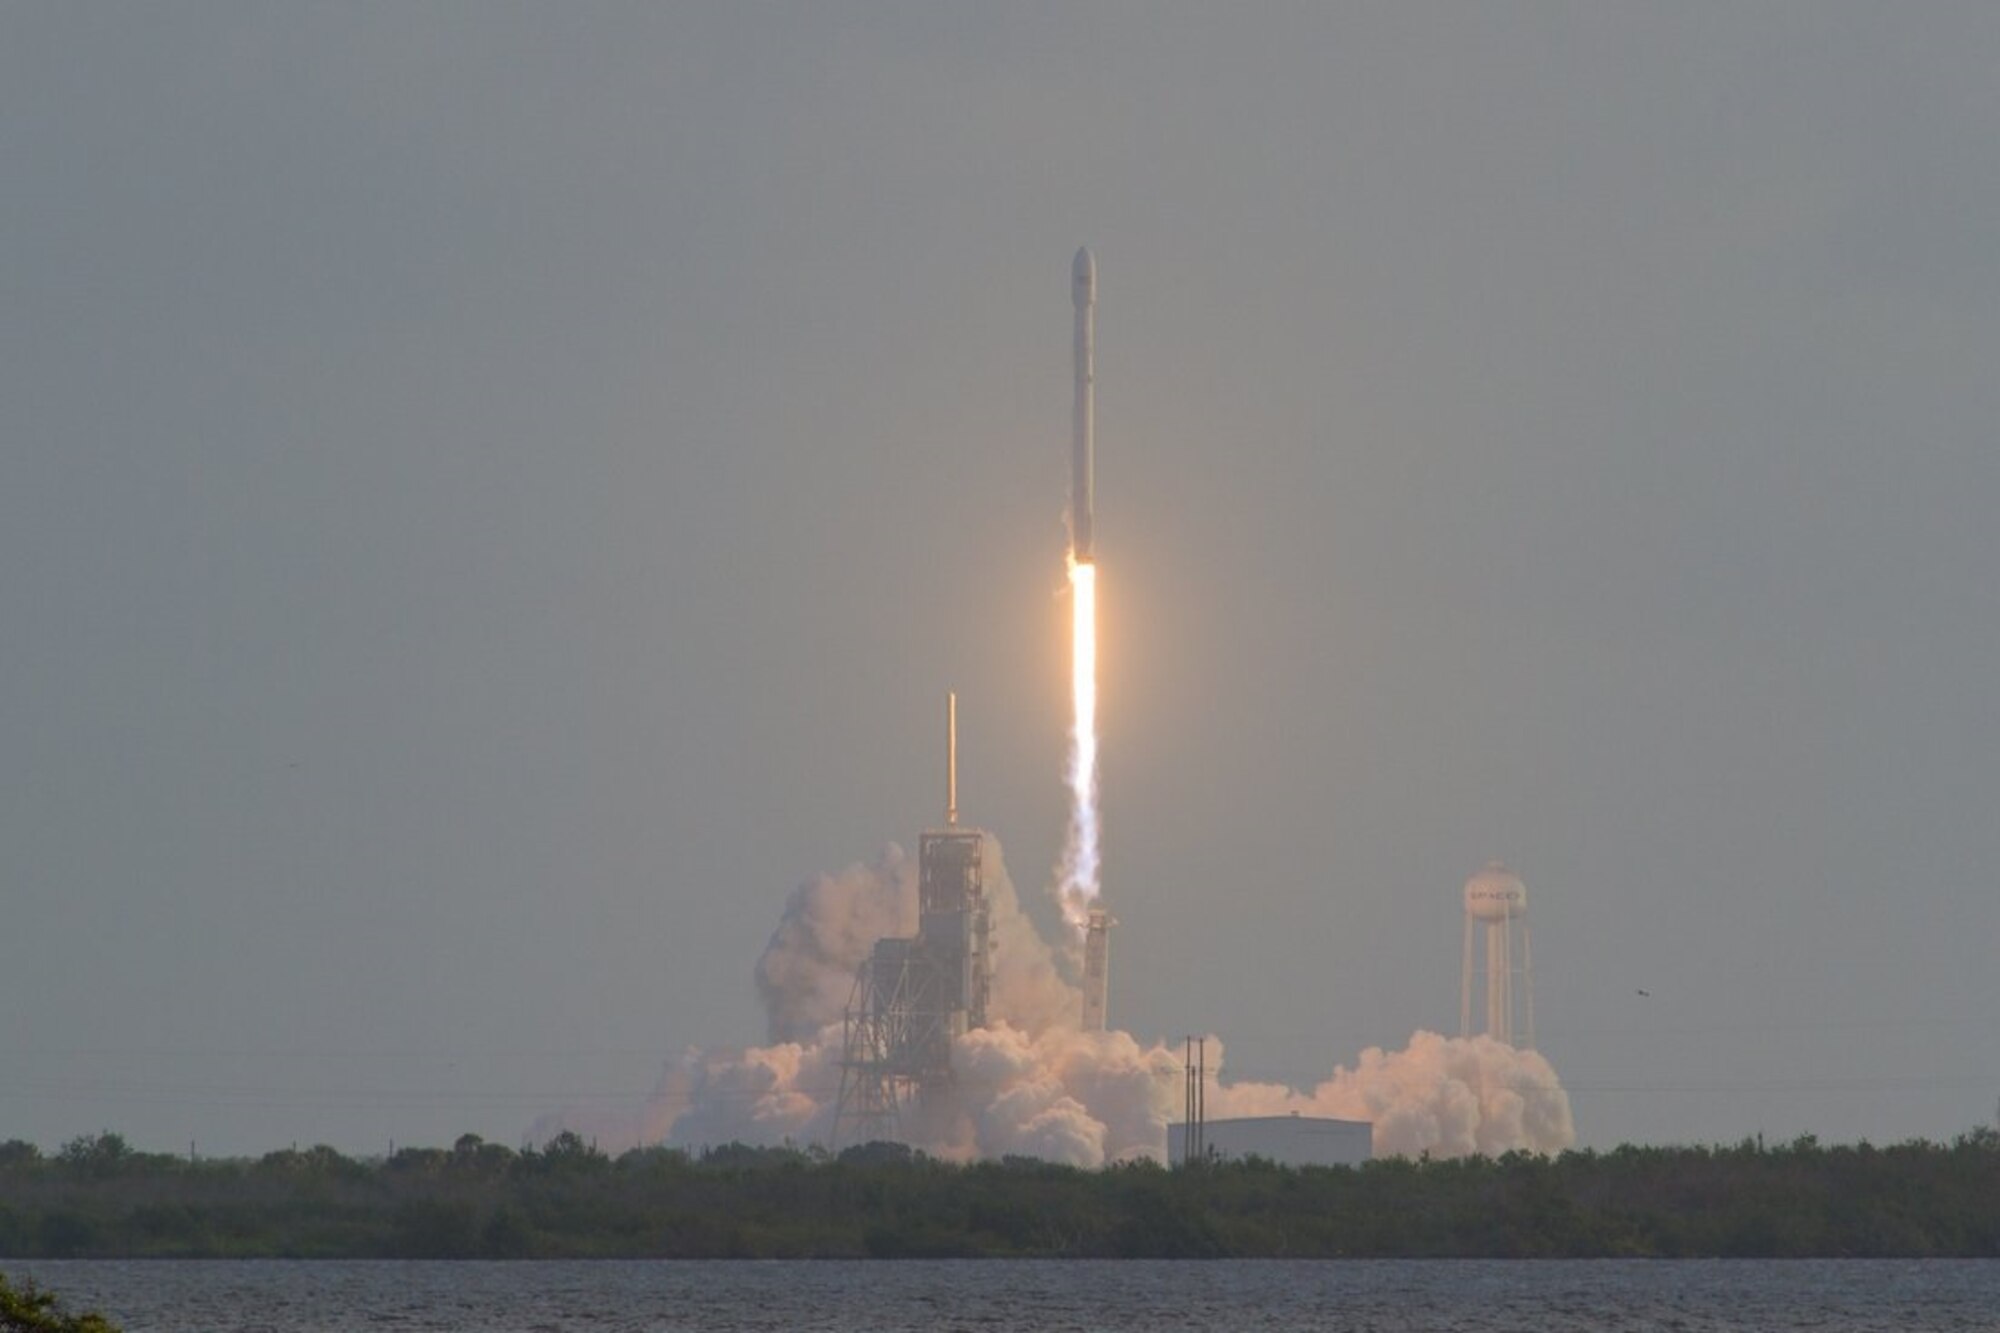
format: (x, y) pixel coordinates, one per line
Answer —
(1096, 969)
(914, 994)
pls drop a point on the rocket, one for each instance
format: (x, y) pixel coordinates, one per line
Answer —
(1083, 293)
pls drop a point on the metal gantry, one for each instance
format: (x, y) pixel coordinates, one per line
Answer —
(914, 994)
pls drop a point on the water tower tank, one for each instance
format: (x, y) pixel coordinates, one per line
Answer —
(1496, 894)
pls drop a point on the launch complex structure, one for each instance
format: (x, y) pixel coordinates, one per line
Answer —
(915, 994)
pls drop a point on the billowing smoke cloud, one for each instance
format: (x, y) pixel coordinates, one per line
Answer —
(1448, 1096)
(1032, 1083)
(830, 924)
(806, 973)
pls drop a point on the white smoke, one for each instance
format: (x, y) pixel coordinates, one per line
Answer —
(1032, 1083)
(806, 972)
(1446, 1096)
(766, 1095)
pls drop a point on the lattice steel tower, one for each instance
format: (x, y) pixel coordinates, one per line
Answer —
(914, 994)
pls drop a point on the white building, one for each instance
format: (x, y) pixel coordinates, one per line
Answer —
(1288, 1140)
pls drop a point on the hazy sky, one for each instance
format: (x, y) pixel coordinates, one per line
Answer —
(492, 497)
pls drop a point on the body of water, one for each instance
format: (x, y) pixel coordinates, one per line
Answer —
(998, 1296)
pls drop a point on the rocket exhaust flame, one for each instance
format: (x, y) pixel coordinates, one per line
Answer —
(1077, 875)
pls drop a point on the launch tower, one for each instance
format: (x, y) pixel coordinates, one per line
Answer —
(1096, 969)
(915, 993)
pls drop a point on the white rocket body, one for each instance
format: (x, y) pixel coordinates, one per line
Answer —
(1083, 292)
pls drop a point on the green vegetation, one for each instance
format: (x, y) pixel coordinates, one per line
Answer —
(31, 1310)
(97, 1197)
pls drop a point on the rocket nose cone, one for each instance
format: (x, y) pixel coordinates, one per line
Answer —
(1083, 277)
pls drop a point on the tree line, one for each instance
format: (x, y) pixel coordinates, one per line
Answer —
(98, 1197)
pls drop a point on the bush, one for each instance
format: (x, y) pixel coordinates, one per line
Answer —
(30, 1310)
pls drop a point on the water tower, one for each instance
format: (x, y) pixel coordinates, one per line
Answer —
(1497, 900)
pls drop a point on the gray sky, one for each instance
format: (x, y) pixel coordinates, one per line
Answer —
(491, 497)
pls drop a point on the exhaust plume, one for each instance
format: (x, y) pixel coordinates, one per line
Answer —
(1077, 884)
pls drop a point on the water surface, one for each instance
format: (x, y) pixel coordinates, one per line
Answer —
(998, 1296)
